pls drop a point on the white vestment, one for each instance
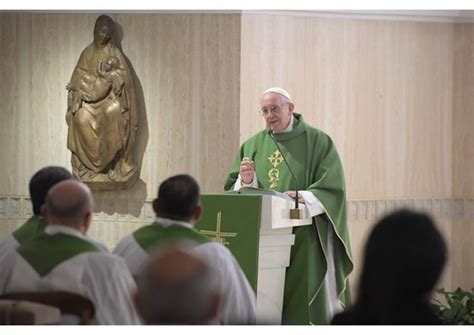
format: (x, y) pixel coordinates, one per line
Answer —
(100, 276)
(8, 244)
(238, 301)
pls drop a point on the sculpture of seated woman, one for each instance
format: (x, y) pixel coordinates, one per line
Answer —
(102, 114)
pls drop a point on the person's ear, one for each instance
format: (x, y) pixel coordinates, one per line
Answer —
(197, 213)
(291, 107)
(154, 204)
(87, 222)
(44, 213)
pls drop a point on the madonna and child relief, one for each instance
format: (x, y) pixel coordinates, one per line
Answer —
(102, 114)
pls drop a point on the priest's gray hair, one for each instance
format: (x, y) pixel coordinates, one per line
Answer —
(176, 287)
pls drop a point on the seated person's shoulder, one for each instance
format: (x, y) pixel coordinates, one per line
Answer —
(105, 260)
(212, 252)
(7, 243)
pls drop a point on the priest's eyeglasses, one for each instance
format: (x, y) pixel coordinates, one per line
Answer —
(275, 109)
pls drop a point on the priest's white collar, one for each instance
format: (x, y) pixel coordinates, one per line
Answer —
(165, 222)
(53, 229)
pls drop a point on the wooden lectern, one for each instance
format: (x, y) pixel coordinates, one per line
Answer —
(256, 226)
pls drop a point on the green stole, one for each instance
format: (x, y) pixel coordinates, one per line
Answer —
(30, 229)
(316, 164)
(45, 252)
(156, 235)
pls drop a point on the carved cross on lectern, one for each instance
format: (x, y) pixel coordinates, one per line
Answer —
(217, 235)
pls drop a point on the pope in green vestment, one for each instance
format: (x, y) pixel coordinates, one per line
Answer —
(314, 160)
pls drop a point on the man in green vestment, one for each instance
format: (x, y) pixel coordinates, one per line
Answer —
(316, 283)
(63, 258)
(39, 186)
(177, 209)
(41, 182)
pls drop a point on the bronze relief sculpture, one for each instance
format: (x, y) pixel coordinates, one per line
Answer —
(102, 114)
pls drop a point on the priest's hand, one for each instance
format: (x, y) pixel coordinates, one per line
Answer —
(292, 194)
(247, 170)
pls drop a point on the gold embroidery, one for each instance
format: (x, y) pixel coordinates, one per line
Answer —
(273, 175)
(273, 178)
(217, 235)
(276, 158)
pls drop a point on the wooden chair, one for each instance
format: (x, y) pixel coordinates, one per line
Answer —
(66, 302)
(11, 315)
(21, 312)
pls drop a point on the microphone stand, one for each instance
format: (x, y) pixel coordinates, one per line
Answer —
(295, 213)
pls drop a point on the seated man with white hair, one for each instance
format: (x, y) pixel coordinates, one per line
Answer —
(64, 259)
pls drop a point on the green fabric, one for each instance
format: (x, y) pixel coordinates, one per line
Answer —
(244, 240)
(156, 235)
(45, 251)
(317, 166)
(30, 229)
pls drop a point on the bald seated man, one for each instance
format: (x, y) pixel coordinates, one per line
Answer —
(63, 259)
(177, 288)
(41, 182)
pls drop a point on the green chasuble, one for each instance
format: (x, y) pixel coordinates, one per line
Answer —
(313, 157)
(156, 235)
(45, 251)
(30, 229)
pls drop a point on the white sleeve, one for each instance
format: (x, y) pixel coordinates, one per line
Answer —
(238, 183)
(314, 207)
(333, 305)
(133, 254)
(238, 305)
(7, 244)
(102, 247)
(7, 261)
(112, 285)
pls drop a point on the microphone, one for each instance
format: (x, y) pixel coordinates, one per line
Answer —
(295, 213)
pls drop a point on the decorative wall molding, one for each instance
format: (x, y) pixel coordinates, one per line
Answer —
(447, 16)
(15, 207)
(112, 219)
(440, 209)
(110, 210)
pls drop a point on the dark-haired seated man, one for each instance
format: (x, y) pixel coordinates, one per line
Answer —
(63, 259)
(39, 185)
(177, 209)
(404, 257)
